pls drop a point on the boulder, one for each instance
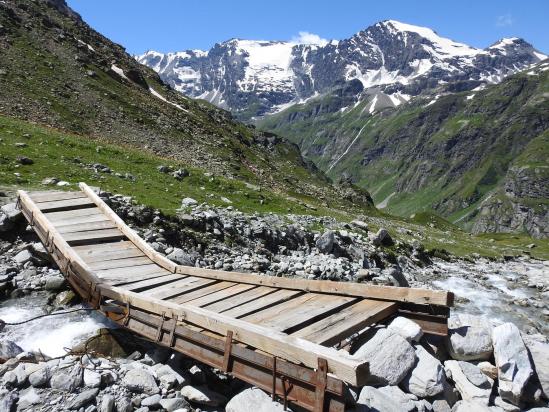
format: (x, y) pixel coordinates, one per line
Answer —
(253, 400)
(92, 379)
(174, 404)
(427, 377)
(389, 355)
(325, 242)
(202, 395)
(28, 398)
(11, 211)
(188, 201)
(512, 361)
(9, 349)
(23, 257)
(151, 401)
(67, 379)
(64, 298)
(107, 403)
(181, 257)
(105, 343)
(55, 283)
(470, 406)
(467, 389)
(488, 369)
(385, 399)
(539, 353)
(140, 381)
(8, 401)
(382, 237)
(83, 398)
(406, 328)
(469, 337)
(41, 377)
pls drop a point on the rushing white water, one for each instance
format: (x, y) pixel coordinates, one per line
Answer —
(52, 335)
(497, 290)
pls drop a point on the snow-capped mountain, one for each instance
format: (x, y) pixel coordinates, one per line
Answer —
(393, 60)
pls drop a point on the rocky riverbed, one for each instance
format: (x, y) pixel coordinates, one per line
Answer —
(496, 357)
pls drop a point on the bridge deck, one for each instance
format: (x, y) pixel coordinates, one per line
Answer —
(249, 325)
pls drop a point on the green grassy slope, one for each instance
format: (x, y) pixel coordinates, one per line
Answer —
(70, 158)
(56, 70)
(448, 156)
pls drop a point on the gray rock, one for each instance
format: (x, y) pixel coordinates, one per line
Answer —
(67, 379)
(385, 399)
(8, 401)
(466, 388)
(55, 283)
(5, 223)
(382, 237)
(41, 377)
(39, 251)
(188, 201)
(9, 349)
(469, 337)
(427, 377)
(406, 328)
(92, 379)
(468, 405)
(152, 401)
(539, 353)
(107, 403)
(441, 405)
(83, 398)
(389, 355)
(203, 395)
(253, 400)
(173, 404)
(514, 368)
(124, 405)
(325, 243)
(11, 211)
(474, 374)
(181, 257)
(23, 257)
(506, 406)
(28, 398)
(140, 381)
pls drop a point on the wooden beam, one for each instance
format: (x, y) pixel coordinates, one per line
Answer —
(130, 233)
(276, 343)
(390, 293)
(60, 243)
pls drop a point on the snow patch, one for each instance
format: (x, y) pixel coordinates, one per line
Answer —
(159, 96)
(119, 71)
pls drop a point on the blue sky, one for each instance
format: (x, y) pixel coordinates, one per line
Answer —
(170, 25)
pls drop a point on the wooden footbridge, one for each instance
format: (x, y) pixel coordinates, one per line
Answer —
(287, 336)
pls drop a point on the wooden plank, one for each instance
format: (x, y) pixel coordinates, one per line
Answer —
(263, 302)
(335, 328)
(55, 217)
(130, 234)
(298, 311)
(104, 247)
(242, 298)
(39, 197)
(152, 283)
(67, 204)
(221, 294)
(135, 270)
(390, 293)
(293, 349)
(119, 263)
(83, 227)
(93, 236)
(80, 219)
(91, 257)
(58, 240)
(185, 285)
(188, 296)
(122, 280)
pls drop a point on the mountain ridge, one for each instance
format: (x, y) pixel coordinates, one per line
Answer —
(253, 78)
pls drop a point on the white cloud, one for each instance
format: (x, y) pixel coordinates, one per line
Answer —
(505, 20)
(305, 37)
